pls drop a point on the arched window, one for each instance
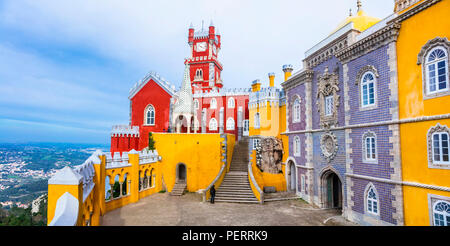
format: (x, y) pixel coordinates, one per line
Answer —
(441, 213)
(438, 139)
(196, 104)
(296, 110)
(436, 68)
(231, 102)
(372, 201)
(368, 89)
(440, 148)
(257, 121)
(213, 124)
(198, 74)
(213, 103)
(107, 189)
(369, 147)
(230, 124)
(149, 115)
(296, 146)
(125, 185)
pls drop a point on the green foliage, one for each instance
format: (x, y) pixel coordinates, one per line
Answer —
(22, 216)
(151, 142)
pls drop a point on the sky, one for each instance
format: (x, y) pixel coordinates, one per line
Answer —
(66, 67)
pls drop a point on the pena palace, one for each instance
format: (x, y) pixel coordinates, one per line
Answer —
(361, 126)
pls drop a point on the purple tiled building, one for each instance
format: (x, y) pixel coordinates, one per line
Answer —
(339, 113)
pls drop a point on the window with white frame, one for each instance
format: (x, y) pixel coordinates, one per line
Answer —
(368, 89)
(436, 68)
(372, 201)
(150, 115)
(296, 146)
(296, 110)
(231, 103)
(213, 103)
(230, 124)
(256, 142)
(440, 148)
(441, 213)
(257, 121)
(213, 124)
(370, 149)
(329, 105)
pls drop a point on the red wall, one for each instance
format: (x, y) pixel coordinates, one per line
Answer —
(153, 94)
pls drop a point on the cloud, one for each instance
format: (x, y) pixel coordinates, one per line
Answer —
(72, 62)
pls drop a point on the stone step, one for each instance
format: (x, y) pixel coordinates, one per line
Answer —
(236, 201)
(235, 195)
(236, 198)
(249, 192)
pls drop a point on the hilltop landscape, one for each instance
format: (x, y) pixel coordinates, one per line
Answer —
(26, 167)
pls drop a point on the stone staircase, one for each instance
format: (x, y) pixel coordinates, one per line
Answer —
(235, 186)
(178, 189)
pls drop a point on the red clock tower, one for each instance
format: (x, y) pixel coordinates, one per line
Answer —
(205, 69)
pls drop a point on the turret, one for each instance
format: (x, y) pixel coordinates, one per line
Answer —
(256, 85)
(191, 35)
(271, 79)
(287, 69)
(211, 31)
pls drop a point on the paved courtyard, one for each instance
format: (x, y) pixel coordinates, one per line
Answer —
(161, 209)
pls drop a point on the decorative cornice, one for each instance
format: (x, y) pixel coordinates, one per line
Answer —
(374, 41)
(303, 76)
(411, 12)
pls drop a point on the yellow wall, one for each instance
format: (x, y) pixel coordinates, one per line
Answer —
(415, 32)
(201, 153)
(269, 118)
(268, 179)
(56, 191)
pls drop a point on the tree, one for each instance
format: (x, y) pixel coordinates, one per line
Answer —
(151, 142)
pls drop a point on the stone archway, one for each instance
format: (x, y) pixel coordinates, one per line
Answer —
(291, 179)
(331, 190)
(181, 173)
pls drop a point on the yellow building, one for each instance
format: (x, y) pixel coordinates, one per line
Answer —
(423, 50)
(267, 118)
(81, 195)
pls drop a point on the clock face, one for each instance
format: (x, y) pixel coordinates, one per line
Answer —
(201, 46)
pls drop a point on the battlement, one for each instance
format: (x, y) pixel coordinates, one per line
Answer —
(125, 130)
(223, 92)
(269, 94)
(117, 160)
(155, 77)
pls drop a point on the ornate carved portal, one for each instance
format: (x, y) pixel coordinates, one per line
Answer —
(328, 99)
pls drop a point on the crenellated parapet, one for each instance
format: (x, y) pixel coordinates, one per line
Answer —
(223, 92)
(125, 130)
(271, 95)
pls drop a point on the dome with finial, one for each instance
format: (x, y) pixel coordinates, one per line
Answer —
(361, 21)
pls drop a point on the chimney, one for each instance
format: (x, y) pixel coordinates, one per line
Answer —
(271, 79)
(287, 69)
(256, 85)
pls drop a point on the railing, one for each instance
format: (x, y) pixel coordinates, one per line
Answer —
(254, 185)
(217, 181)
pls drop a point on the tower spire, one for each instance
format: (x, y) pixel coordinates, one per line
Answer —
(359, 5)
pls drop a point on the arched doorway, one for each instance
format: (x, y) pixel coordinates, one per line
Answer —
(291, 177)
(181, 124)
(331, 190)
(181, 173)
